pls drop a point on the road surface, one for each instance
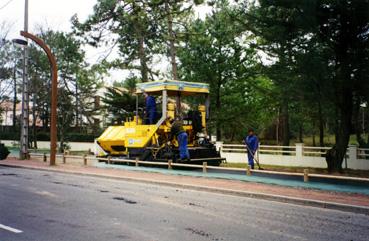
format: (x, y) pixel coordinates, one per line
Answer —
(47, 206)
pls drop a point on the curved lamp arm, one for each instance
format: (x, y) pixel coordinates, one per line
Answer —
(54, 93)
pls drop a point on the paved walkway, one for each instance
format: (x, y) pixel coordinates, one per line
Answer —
(338, 200)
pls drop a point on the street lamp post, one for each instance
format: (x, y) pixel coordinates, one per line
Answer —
(23, 154)
(54, 92)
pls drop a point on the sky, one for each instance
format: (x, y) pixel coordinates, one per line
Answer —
(53, 13)
(56, 14)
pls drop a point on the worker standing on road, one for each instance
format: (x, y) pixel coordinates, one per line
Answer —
(150, 109)
(252, 145)
(182, 138)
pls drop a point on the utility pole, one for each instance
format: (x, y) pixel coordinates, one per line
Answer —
(25, 95)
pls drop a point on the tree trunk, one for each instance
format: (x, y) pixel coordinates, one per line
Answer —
(356, 124)
(285, 123)
(336, 155)
(61, 131)
(34, 132)
(143, 62)
(77, 105)
(61, 147)
(344, 94)
(277, 126)
(141, 44)
(15, 97)
(301, 133)
(218, 124)
(321, 125)
(172, 37)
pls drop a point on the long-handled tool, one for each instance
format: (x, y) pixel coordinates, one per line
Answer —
(253, 157)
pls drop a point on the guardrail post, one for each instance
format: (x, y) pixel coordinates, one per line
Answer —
(204, 167)
(248, 170)
(352, 154)
(85, 159)
(136, 162)
(299, 151)
(45, 157)
(218, 145)
(306, 175)
(109, 159)
(170, 165)
(64, 158)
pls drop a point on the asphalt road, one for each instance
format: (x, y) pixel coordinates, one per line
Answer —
(54, 207)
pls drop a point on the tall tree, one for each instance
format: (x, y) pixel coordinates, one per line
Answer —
(172, 16)
(120, 101)
(213, 53)
(344, 27)
(339, 30)
(128, 26)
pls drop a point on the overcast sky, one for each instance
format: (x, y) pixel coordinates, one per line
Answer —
(56, 14)
(53, 13)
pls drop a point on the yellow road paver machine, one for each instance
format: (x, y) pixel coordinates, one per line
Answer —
(155, 142)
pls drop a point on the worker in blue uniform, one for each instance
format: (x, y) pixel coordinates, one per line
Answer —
(182, 146)
(182, 138)
(150, 109)
(252, 145)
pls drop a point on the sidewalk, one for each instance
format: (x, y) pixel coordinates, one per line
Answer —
(335, 200)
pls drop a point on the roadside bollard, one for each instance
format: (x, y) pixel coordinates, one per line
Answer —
(136, 162)
(248, 170)
(64, 158)
(170, 165)
(306, 175)
(109, 159)
(204, 167)
(85, 159)
(45, 158)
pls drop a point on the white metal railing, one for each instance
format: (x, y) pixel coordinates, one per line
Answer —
(297, 150)
(277, 150)
(315, 151)
(269, 149)
(363, 153)
(238, 148)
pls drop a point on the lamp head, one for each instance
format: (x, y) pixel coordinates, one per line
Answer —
(20, 42)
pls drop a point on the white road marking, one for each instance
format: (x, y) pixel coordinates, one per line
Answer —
(14, 230)
(45, 193)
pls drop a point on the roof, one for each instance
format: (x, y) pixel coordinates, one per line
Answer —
(173, 87)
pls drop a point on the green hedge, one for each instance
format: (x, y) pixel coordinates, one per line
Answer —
(45, 136)
(80, 137)
(9, 135)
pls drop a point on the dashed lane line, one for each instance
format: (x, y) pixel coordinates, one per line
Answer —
(10, 229)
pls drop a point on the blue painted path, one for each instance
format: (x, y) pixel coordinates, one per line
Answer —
(296, 182)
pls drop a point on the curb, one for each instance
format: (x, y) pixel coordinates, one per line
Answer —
(264, 196)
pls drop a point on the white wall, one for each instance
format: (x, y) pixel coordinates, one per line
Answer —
(298, 159)
(75, 146)
(279, 160)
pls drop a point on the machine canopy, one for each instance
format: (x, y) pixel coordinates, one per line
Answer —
(173, 87)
